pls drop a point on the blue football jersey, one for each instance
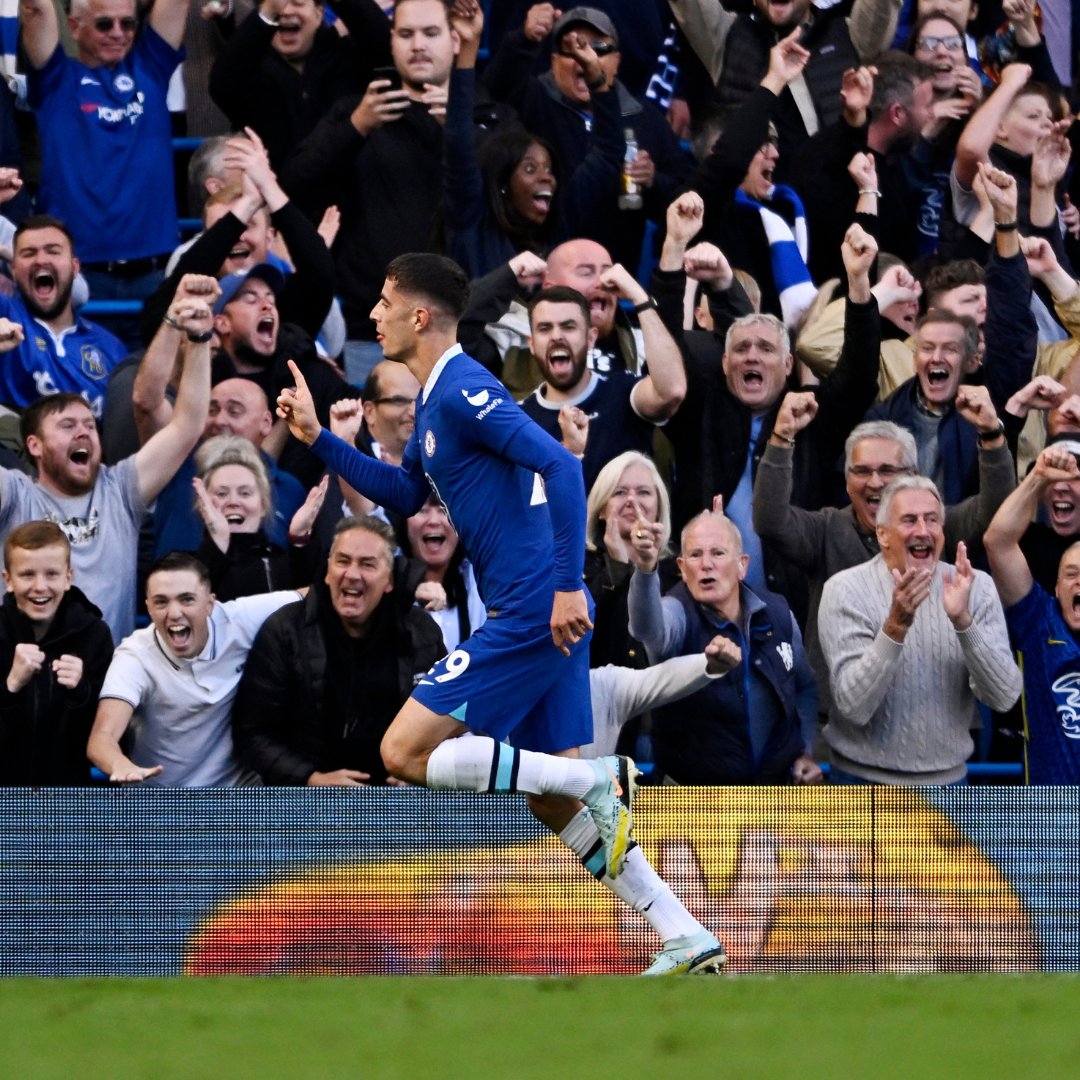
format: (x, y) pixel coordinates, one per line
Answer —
(515, 495)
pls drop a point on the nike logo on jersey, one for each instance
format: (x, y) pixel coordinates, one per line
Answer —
(1054, 641)
(476, 399)
(87, 81)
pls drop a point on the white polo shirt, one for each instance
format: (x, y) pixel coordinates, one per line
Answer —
(183, 708)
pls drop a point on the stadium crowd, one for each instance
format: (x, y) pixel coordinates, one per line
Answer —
(795, 284)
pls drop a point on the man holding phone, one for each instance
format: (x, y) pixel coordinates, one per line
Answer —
(379, 159)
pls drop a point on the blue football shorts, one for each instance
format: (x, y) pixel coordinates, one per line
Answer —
(509, 681)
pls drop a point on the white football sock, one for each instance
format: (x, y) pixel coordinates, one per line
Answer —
(639, 885)
(479, 763)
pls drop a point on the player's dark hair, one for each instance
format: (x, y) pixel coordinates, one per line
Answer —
(33, 536)
(41, 221)
(177, 561)
(560, 294)
(434, 278)
(34, 414)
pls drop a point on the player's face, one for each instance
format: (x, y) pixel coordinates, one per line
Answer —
(580, 264)
(755, 367)
(560, 341)
(947, 56)
(532, 185)
(234, 491)
(568, 74)
(180, 603)
(110, 44)
(712, 565)
(1067, 588)
(939, 361)
(238, 407)
(1061, 500)
(44, 269)
(634, 496)
(432, 537)
(67, 450)
(38, 580)
(251, 318)
(396, 325)
(422, 44)
(297, 23)
(875, 464)
(358, 575)
(913, 537)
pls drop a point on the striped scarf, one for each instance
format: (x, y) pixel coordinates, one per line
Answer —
(787, 252)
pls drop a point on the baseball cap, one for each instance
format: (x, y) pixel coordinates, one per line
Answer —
(230, 284)
(584, 16)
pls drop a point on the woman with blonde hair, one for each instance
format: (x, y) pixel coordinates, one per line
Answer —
(232, 493)
(627, 488)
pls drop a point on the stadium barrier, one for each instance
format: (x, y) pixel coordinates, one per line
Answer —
(279, 881)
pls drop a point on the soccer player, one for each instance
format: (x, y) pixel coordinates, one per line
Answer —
(517, 501)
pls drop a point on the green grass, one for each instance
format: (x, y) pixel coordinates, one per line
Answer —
(817, 1026)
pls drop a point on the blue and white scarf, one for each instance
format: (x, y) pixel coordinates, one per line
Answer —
(787, 252)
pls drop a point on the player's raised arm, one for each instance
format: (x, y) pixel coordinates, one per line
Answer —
(402, 488)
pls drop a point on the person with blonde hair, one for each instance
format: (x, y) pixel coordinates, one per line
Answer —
(232, 494)
(628, 488)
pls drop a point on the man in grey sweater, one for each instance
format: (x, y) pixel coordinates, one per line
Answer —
(911, 644)
(819, 543)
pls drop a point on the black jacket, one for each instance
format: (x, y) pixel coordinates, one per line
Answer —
(545, 111)
(44, 727)
(387, 186)
(255, 87)
(281, 725)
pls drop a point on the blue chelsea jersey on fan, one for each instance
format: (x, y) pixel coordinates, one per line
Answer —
(471, 438)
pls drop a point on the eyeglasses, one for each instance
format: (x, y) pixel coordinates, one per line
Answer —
(886, 472)
(397, 401)
(104, 24)
(953, 41)
(601, 48)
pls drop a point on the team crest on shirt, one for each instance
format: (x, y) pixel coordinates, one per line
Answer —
(475, 399)
(92, 364)
(124, 83)
(787, 654)
(429, 443)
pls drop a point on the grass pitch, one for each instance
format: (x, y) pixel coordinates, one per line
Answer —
(956, 1026)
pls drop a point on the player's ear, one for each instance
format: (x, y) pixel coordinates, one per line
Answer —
(421, 318)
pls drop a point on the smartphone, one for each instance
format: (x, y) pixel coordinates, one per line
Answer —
(390, 73)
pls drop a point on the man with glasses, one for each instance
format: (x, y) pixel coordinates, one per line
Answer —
(390, 395)
(558, 105)
(106, 138)
(820, 543)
